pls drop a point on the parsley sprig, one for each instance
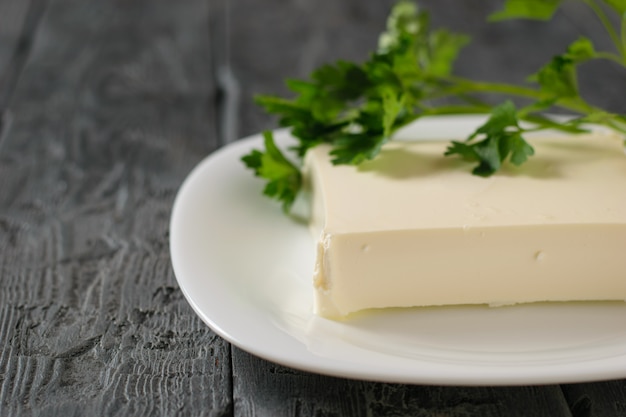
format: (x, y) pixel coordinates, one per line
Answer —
(357, 107)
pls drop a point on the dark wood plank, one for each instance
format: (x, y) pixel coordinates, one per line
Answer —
(18, 21)
(113, 108)
(600, 399)
(12, 16)
(265, 389)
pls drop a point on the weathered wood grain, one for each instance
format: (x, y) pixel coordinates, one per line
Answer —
(116, 102)
(598, 399)
(12, 16)
(18, 23)
(265, 389)
(113, 108)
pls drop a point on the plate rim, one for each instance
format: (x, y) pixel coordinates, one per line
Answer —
(464, 375)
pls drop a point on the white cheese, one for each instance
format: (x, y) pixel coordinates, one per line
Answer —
(413, 228)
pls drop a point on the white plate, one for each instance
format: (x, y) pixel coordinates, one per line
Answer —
(246, 270)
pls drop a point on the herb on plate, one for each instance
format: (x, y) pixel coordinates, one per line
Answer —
(357, 107)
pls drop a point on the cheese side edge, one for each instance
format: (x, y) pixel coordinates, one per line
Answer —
(495, 261)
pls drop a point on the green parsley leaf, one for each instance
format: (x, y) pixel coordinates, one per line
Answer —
(618, 5)
(405, 23)
(527, 9)
(517, 148)
(284, 178)
(581, 50)
(356, 148)
(502, 117)
(356, 108)
(364, 139)
(445, 47)
(417, 51)
(558, 78)
(502, 140)
(391, 108)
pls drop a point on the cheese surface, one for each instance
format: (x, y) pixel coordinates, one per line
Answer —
(414, 228)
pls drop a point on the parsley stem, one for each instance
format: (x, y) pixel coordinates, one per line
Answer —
(463, 85)
(609, 56)
(443, 110)
(609, 28)
(623, 33)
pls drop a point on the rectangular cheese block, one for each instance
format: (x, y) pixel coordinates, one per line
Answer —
(414, 228)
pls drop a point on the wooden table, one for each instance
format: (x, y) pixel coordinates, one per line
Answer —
(106, 106)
